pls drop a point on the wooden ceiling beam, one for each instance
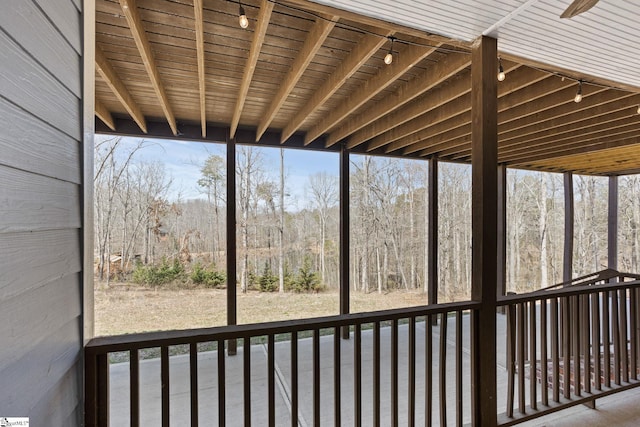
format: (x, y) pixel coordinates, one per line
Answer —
(557, 127)
(590, 108)
(264, 16)
(612, 129)
(604, 143)
(458, 149)
(621, 161)
(104, 114)
(597, 102)
(110, 77)
(524, 85)
(450, 144)
(388, 74)
(312, 44)
(198, 9)
(130, 11)
(366, 47)
(377, 118)
(449, 116)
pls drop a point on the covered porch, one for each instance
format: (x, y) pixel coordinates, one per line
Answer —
(312, 76)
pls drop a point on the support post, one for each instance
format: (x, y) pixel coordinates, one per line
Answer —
(432, 267)
(231, 242)
(344, 236)
(502, 232)
(612, 230)
(484, 161)
(567, 263)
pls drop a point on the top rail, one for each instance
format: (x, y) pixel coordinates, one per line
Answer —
(103, 345)
(565, 292)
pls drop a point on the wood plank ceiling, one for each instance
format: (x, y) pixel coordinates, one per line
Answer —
(303, 74)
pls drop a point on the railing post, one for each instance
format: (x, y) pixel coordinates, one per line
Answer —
(484, 158)
(96, 403)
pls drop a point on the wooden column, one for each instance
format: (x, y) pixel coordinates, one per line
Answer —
(432, 266)
(612, 230)
(502, 230)
(344, 235)
(231, 241)
(484, 160)
(567, 263)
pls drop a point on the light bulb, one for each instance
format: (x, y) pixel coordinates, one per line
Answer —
(244, 22)
(501, 74)
(578, 96)
(638, 109)
(388, 59)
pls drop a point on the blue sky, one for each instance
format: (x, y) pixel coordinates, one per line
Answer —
(184, 159)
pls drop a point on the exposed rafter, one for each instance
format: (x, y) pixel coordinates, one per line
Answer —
(598, 105)
(386, 76)
(336, 89)
(365, 48)
(603, 143)
(312, 44)
(266, 7)
(527, 85)
(130, 11)
(103, 114)
(410, 90)
(199, 27)
(118, 88)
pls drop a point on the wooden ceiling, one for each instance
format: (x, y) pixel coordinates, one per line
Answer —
(308, 75)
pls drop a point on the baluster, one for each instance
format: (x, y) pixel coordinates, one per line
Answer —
(443, 369)
(294, 379)
(164, 379)
(193, 371)
(337, 379)
(544, 368)
(134, 387)
(246, 350)
(221, 385)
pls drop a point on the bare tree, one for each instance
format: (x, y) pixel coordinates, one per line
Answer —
(324, 190)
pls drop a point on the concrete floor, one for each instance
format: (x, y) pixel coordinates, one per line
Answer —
(617, 410)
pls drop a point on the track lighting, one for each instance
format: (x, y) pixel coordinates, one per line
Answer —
(244, 22)
(578, 97)
(501, 74)
(388, 59)
(638, 109)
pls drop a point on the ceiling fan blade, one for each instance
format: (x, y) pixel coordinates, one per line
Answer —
(578, 7)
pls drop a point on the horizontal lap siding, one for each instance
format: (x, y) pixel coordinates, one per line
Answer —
(41, 211)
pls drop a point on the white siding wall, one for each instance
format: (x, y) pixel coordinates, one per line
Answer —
(41, 211)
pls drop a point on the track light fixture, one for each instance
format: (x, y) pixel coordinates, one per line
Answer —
(501, 74)
(638, 109)
(578, 96)
(388, 59)
(242, 18)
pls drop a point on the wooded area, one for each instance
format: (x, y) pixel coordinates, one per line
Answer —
(141, 220)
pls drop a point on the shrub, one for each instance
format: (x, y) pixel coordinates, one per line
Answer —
(268, 282)
(158, 275)
(307, 280)
(207, 278)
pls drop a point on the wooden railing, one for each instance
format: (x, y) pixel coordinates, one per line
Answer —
(570, 345)
(409, 375)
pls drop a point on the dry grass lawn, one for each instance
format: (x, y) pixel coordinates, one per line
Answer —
(125, 309)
